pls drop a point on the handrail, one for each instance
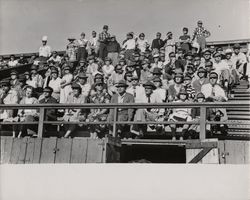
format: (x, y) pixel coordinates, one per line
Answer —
(203, 107)
(239, 104)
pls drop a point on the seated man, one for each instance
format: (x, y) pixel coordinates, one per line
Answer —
(7, 96)
(214, 93)
(50, 114)
(149, 114)
(74, 115)
(123, 114)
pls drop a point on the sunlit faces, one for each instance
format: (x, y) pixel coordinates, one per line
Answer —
(28, 92)
(121, 90)
(76, 92)
(148, 90)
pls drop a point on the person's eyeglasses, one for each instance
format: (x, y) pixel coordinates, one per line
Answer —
(213, 78)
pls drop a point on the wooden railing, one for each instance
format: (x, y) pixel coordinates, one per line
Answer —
(202, 106)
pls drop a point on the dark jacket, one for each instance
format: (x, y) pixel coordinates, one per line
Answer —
(157, 44)
(50, 114)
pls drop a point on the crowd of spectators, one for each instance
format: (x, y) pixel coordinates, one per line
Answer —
(101, 71)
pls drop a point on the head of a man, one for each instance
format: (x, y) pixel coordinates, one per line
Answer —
(217, 57)
(209, 66)
(82, 36)
(149, 88)
(199, 23)
(213, 78)
(105, 28)
(13, 75)
(185, 31)
(121, 87)
(47, 92)
(237, 49)
(178, 78)
(158, 35)
(207, 55)
(135, 80)
(93, 34)
(5, 85)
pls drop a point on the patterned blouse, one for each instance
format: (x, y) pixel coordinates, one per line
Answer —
(201, 32)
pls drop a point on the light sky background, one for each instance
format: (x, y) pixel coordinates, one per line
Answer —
(24, 22)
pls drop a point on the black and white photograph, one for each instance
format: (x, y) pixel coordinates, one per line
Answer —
(133, 95)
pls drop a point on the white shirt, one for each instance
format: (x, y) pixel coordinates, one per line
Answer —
(138, 92)
(142, 44)
(55, 84)
(45, 51)
(107, 70)
(85, 89)
(208, 90)
(13, 63)
(129, 44)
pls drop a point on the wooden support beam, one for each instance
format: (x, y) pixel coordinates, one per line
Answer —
(203, 123)
(114, 123)
(201, 155)
(40, 124)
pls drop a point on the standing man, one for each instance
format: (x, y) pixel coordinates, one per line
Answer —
(44, 50)
(104, 37)
(157, 42)
(113, 49)
(93, 44)
(200, 34)
(123, 114)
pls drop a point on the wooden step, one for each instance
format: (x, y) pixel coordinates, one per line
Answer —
(235, 112)
(240, 90)
(237, 117)
(239, 99)
(242, 95)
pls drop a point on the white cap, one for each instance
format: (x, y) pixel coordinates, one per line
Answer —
(228, 51)
(44, 38)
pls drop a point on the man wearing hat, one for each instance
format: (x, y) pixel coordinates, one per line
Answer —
(222, 69)
(50, 114)
(239, 60)
(82, 46)
(136, 89)
(71, 49)
(212, 89)
(157, 43)
(113, 49)
(214, 93)
(36, 79)
(44, 50)
(7, 96)
(74, 115)
(85, 86)
(149, 114)
(123, 114)
(14, 79)
(234, 74)
(97, 114)
(200, 34)
(142, 43)
(103, 40)
(201, 80)
(189, 88)
(146, 72)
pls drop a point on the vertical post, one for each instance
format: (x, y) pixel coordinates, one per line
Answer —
(114, 122)
(202, 123)
(40, 123)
